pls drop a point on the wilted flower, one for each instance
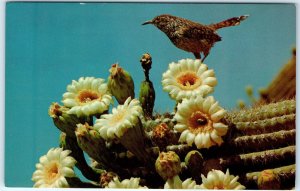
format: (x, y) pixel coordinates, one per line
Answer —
(198, 120)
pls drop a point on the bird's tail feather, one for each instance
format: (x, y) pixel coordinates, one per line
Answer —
(229, 22)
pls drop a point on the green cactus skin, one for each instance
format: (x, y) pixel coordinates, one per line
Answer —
(134, 140)
(258, 139)
(285, 175)
(264, 112)
(120, 84)
(77, 154)
(194, 162)
(264, 119)
(265, 141)
(267, 125)
(89, 140)
(147, 98)
(259, 160)
(64, 121)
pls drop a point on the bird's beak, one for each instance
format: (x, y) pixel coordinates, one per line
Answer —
(147, 22)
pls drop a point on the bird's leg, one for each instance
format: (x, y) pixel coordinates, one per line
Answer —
(205, 53)
(197, 55)
(203, 58)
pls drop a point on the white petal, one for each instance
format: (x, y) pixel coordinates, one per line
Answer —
(218, 115)
(220, 128)
(190, 138)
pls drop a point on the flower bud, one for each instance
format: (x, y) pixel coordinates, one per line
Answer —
(120, 83)
(168, 165)
(147, 97)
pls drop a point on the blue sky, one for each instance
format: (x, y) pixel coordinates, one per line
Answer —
(50, 44)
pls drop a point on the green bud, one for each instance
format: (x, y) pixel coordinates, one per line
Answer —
(62, 120)
(194, 162)
(89, 140)
(168, 165)
(147, 97)
(120, 83)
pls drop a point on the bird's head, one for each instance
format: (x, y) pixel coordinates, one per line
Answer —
(162, 21)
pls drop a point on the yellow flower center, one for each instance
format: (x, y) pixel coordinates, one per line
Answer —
(199, 122)
(86, 96)
(219, 187)
(118, 117)
(51, 172)
(189, 80)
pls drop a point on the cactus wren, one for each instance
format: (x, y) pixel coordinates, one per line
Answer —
(191, 36)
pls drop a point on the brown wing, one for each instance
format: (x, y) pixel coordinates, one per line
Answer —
(200, 32)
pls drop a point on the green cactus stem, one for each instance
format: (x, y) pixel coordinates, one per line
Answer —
(77, 154)
(90, 141)
(64, 121)
(265, 141)
(134, 140)
(147, 98)
(259, 160)
(267, 125)
(147, 92)
(285, 175)
(153, 151)
(194, 163)
(271, 110)
(264, 119)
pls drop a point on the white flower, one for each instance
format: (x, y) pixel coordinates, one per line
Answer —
(53, 168)
(198, 120)
(176, 183)
(87, 96)
(117, 123)
(188, 78)
(126, 183)
(216, 179)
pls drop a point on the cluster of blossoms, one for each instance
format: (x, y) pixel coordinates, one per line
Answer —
(215, 180)
(198, 117)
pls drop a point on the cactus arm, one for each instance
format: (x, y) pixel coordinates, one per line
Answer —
(77, 154)
(286, 175)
